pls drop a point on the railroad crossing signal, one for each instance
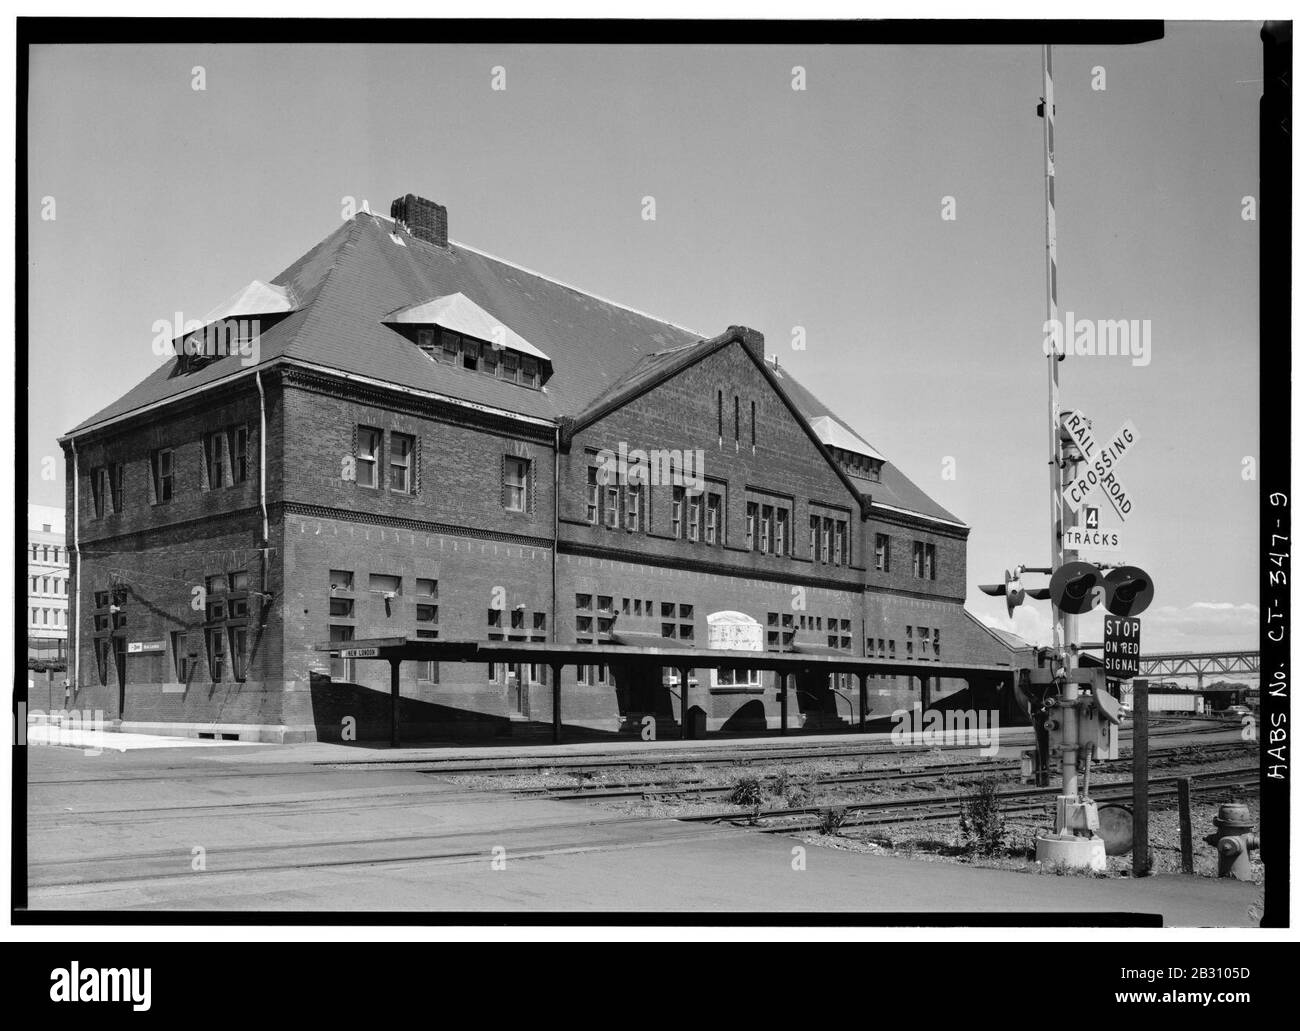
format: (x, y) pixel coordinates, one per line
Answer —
(1014, 591)
(1129, 591)
(1077, 587)
(1097, 475)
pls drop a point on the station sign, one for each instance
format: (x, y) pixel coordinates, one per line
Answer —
(146, 647)
(1123, 646)
(359, 653)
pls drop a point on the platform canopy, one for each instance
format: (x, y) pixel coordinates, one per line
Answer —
(402, 649)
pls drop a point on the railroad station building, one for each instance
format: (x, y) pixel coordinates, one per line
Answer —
(405, 436)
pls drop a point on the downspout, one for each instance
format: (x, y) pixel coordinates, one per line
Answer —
(76, 550)
(555, 538)
(261, 471)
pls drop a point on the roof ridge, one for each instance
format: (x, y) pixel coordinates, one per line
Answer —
(577, 289)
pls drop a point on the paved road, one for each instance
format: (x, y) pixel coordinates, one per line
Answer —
(260, 827)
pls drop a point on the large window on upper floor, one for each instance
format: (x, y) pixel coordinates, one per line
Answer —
(393, 464)
(923, 560)
(516, 475)
(828, 538)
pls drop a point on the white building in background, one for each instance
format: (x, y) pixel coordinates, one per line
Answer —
(47, 584)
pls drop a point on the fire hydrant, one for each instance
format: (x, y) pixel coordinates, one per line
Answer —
(1233, 840)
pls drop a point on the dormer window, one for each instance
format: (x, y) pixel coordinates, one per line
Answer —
(453, 330)
(233, 328)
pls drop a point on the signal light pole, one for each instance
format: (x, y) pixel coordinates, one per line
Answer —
(1072, 844)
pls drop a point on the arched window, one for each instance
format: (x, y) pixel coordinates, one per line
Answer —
(719, 424)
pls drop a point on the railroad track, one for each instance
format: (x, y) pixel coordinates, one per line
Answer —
(912, 810)
(699, 788)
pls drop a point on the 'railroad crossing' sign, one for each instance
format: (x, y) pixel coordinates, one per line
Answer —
(1123, 646)
(1097, 475)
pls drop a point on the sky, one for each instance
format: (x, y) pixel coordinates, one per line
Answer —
(775, 208)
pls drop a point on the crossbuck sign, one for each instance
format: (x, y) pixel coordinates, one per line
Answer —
(1097, 473)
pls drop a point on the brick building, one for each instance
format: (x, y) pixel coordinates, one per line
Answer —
(401, 435)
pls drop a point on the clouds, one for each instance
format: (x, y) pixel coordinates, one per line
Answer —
(1200, 626)
(1032, 623)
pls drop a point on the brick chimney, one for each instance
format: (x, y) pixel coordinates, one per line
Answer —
(425, 219)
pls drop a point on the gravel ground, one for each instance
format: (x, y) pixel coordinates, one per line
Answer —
(938, 840)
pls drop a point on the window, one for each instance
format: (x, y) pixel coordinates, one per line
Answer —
(751, 523)
(632, 516)
(693, 517)
(837, 552)
(116, 485)
(679, 502)
(826, 539)
(737, 400)
(239, 653)
(341, 669)
(923, 635)
(509, 368)
(753, 424)
(450, 344)
(517, 618)
(713, 520)
(936, 642)
(342, 607)
(381, 583)
(491, 358)
(216, 652)
(161, 463)
(98, 492)
(882, 553)
(539, 621)
(719, 417)
(102, 647)
(369, 442)
(529, 372)
(400, 464)
(214, 457)
(593, 495)
(470, 353)
(494, 618)
(341, 604)
(237, 439)
(425, 588)
(782, 544)
(765, 529)
(611, 506)
(923, 560)
(909, 653)
(514, 484)
(814, 525)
